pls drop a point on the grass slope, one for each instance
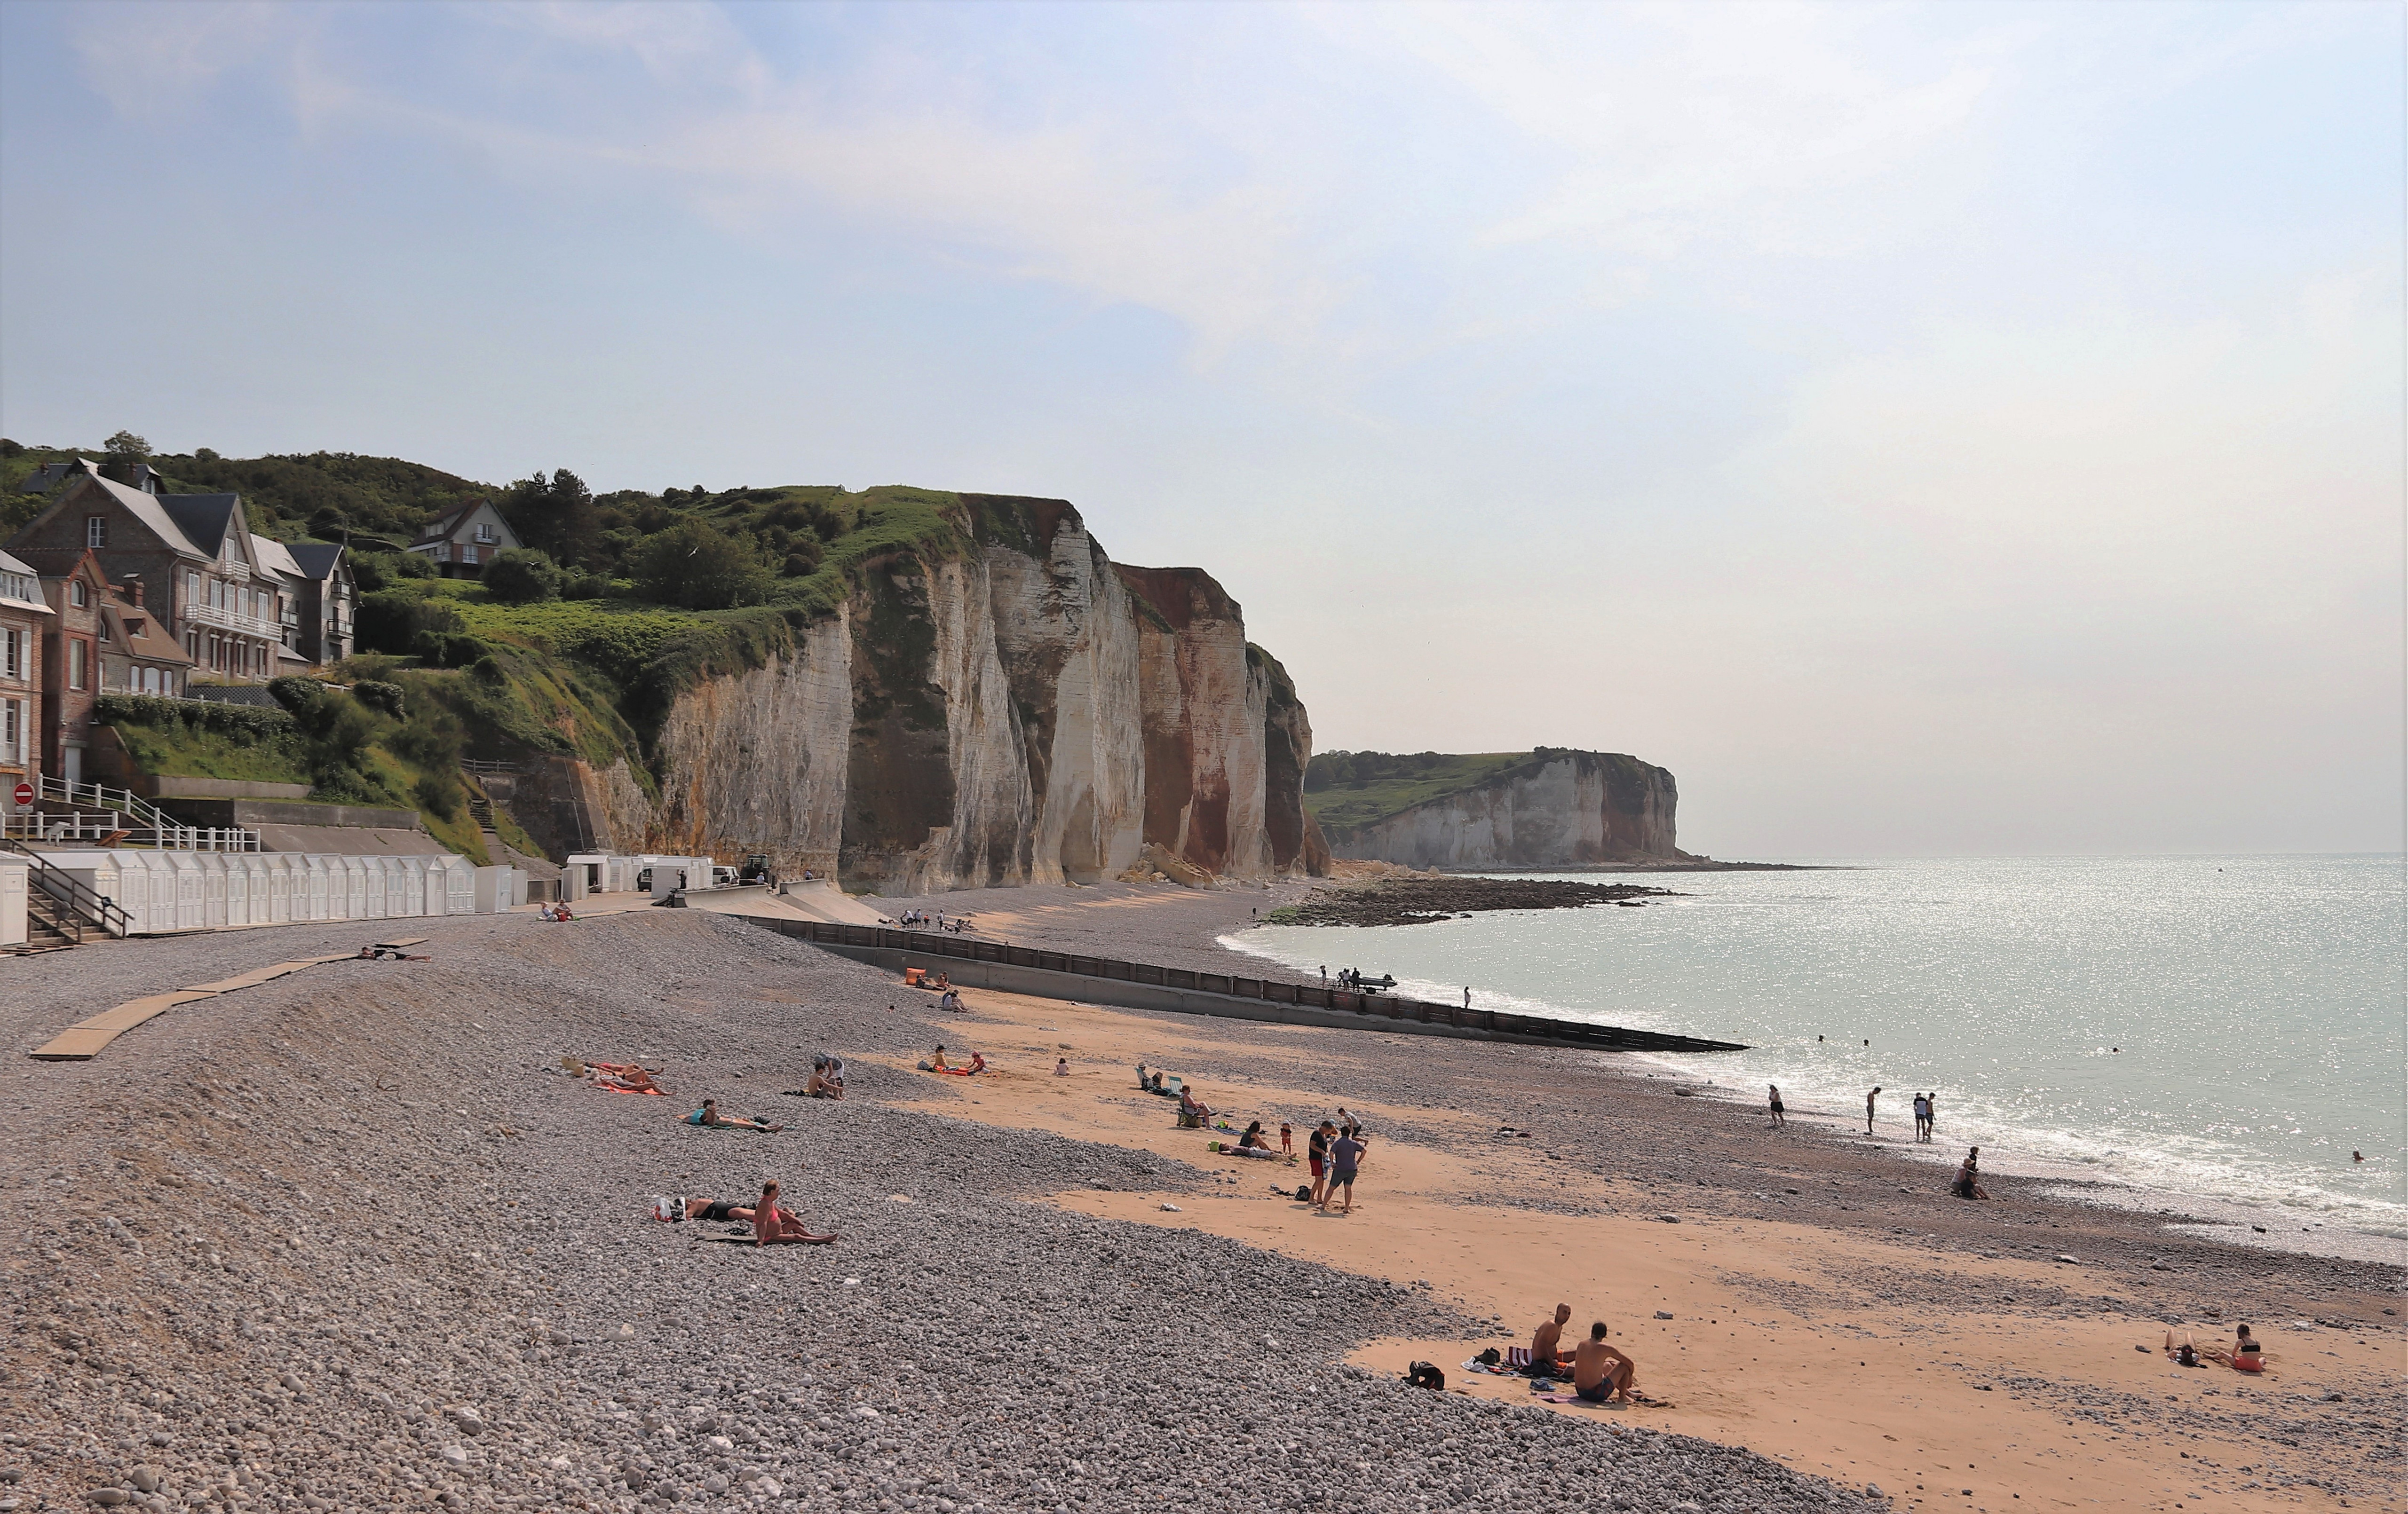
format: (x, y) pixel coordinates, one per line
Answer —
(1336, 798)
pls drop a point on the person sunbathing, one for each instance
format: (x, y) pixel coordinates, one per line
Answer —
(2186, 1353)
(772, 1225)
(1192, 1110)
(1600, 1372)
(1546, 1359)
(709, 1115)
(709, 1210)
(634, 1080)
(977, 1065)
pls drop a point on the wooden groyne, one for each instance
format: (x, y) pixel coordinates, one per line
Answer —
(1135, 985)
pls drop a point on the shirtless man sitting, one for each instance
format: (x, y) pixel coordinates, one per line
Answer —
(1599, 1372)
(1546, 1359)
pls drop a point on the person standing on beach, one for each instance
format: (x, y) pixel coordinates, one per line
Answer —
(1869, 1108)
(1316, 1155)
(1466, 995)
(1918, 1107)
(1930, 1115)
(1345, 1158)
(1777, 1121)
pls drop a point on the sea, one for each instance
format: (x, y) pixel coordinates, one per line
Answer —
(2226, 1035)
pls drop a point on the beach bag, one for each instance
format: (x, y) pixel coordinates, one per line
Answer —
(668, 1211)
(1488, 1357)
(1425, 1375)
(1304, 1192)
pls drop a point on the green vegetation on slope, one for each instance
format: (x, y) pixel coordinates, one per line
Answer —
(1348, 788)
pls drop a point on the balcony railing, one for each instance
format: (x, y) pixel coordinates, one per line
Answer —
(226, 619)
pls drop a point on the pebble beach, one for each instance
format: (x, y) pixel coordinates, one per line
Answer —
(352, 1239)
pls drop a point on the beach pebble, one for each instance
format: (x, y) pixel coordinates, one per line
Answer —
(109, 1497)
(1872, 1489)
(1661, 1314)
(2062, 1257)
(1669, 1218)
(145, 1478)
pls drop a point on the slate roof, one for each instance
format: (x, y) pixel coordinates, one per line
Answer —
(203, 517)
(271, 555)
(317, 559)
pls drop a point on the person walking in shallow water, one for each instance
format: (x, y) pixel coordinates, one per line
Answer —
(1777, 1121)
(1869, 1108)
(1919, 1106)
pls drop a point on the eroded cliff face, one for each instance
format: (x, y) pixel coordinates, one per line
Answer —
(1562, 809)
(1025, 711)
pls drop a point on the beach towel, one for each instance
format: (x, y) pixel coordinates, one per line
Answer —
(668, 1210)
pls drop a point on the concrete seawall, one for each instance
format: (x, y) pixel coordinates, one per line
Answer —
(971, 963)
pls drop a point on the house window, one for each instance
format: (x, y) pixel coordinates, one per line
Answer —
(96, 531)
(104, 628)
(469, 556)
(76, 594)
(443, 551)
(78, 656)
(485, 533)
(192, 588)
(12, 652)
(12, 731)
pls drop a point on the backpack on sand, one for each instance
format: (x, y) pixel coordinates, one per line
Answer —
(1304, 1192)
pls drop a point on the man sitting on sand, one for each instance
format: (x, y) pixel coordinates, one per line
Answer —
(709, 1115)
(772, 1225)
(821, 1086)
(978, 1066)
(1600, 1373)
(1546, 1359)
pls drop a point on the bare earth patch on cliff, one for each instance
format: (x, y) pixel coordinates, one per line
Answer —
(1417, 901)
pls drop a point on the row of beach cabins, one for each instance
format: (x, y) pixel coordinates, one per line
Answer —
(167, 892)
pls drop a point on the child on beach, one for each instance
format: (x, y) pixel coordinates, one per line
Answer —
(1777, 1121)
(1286, 1146)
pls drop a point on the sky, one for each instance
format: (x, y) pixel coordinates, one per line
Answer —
(1927, 430)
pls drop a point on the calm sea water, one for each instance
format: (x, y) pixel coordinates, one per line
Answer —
(2227, 1027)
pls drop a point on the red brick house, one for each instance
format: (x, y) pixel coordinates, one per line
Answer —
(71, 665)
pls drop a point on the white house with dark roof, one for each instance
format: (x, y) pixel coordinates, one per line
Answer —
(462, 539)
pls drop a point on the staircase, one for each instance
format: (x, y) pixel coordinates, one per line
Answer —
(60, 911)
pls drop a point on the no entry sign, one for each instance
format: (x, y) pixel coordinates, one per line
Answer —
(24, 793)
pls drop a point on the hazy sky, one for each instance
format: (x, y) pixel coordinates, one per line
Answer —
(1924, 429)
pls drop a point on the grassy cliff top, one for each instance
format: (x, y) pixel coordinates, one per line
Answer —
(1348, 788)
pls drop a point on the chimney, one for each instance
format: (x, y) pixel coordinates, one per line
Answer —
(133, 586)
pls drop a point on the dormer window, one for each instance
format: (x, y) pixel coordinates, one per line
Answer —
(76, 594)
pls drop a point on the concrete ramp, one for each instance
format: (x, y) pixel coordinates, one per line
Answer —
(821, 900)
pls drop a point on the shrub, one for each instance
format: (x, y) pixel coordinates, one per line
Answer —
(695, 565)
(584, 585)
(520, 576)
(197, 714)
(448, 648)
(439, 793)
(295, 693)
(378, 696)
(392, 620)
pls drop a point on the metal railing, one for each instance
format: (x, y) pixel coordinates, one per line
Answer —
(100, 813)
(205, 613)
(76, 906)
(1372, 1007)
(487, 767)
